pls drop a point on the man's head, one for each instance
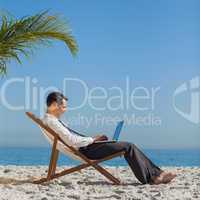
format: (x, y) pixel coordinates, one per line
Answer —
(56, 103)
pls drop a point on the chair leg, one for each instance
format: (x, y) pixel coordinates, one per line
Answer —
(107, 174)
(53, 161)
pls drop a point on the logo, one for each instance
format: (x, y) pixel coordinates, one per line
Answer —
(193, 89)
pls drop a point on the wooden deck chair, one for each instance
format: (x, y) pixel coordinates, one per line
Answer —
(55, 139)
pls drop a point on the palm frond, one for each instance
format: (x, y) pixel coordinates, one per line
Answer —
(22, 36)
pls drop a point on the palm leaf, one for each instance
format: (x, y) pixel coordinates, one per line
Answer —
(22, 36)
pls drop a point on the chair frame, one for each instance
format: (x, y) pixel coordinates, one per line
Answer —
(55, 153)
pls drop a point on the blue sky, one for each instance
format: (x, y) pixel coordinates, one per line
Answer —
(153, 43)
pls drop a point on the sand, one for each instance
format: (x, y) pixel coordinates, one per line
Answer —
(15, 184)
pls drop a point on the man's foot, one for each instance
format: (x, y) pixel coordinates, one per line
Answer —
(164, 177)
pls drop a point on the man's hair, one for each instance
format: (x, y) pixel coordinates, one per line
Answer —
(55, 97)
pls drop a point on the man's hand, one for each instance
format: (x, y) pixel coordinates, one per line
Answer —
(100, 138)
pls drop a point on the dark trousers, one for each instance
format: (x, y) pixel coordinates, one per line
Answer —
(142, 167)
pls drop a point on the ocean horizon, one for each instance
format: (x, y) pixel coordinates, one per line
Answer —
(41, 155)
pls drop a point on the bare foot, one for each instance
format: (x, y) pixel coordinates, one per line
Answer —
(164, 177)
(168, 177)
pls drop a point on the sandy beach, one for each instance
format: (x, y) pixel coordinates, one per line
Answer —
(89, 184)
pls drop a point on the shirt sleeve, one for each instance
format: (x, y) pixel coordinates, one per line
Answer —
(67, 136)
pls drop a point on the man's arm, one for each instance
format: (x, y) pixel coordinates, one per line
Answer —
(67, 136)
(96, 138)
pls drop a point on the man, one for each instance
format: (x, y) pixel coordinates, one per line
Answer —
(143, 168)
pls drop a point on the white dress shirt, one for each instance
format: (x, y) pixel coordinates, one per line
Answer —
(69, 137)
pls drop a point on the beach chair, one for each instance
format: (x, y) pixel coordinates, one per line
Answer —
(58, 145)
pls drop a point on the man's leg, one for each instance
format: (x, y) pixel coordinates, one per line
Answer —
(143, 168)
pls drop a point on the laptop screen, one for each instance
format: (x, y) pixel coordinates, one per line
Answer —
(118, 130)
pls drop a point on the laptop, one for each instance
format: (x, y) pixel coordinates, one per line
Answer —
(116, 134)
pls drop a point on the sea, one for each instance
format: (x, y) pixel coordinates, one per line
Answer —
(41, 156)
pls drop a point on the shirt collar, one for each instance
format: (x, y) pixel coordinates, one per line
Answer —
(51, 116)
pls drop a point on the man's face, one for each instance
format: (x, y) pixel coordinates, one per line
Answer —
(63, 107)
(58, 109)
